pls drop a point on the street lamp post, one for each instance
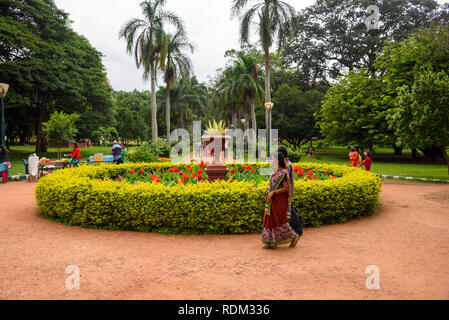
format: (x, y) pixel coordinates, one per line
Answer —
(3, 91)
(269, 106)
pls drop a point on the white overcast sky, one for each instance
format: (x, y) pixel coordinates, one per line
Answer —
(208, 23)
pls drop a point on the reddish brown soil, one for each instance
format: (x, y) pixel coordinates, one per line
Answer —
(408, 239)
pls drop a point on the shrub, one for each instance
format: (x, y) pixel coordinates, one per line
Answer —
(149, 152)
(86, 196)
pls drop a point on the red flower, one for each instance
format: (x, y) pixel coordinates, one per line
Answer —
(249, 167)
(199, 172)
(296, 169)
(131, 171)
(334, 177)
(124, 176)
(326, 172)
(120, 179)
(173, 170)
(166, 174)
(185, 176)
(158, 180)
(254, 170)
(232, 180)
(232, 170)
(158, 169)
(244, 167)
(193, 175)
(202, 164)
(182, 181)
(199, 177)
(153, 177)
(141, 171)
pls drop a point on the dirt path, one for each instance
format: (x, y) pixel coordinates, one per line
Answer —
(408, 239)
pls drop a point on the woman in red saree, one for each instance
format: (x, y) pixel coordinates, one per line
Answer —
(276, 225)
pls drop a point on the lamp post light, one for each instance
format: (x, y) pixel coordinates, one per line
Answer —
(269, 106)
(3, 91)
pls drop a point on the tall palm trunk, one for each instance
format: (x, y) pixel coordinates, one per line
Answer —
(167, 112)
(253, 115)
(153, 104)
(267, 82)
(234, 119)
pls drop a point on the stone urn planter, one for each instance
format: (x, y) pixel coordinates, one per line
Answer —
(216, 170)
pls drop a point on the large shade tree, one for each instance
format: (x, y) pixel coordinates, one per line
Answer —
(146, 40)
(48, 65)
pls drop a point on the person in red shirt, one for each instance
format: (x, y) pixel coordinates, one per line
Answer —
(76, 156)
(367, 162)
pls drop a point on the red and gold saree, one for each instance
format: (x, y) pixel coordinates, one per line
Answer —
(276, 226)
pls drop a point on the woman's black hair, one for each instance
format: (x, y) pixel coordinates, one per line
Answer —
(280, 157)
(283, 150)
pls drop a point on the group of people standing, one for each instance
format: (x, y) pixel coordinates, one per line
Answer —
(119, 154)
(356, 160)
(281, 224)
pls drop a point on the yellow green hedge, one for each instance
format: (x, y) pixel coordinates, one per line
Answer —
(77, 197)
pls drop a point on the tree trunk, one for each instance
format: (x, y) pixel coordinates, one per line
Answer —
(234, 119)
(253, 115)
(444, 152)
(40, 141)
(168, 107)
(414, 154)
(267, 82)
(397, 150)
(153, 104)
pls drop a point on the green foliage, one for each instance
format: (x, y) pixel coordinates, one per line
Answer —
(61, 127)
(294, 113)
(330, 38)
(47, 64)
(214, 128)
(77, 197)
(148, 152)
(421, 119)
(354, 111)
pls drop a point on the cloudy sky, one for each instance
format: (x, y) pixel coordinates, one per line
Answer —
(208, 23)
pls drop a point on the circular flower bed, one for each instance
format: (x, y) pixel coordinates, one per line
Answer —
(94, 196)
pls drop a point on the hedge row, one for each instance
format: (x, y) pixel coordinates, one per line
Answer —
(78, 197)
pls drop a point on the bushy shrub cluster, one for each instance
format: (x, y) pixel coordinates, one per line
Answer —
(85, 196)
(149, 152)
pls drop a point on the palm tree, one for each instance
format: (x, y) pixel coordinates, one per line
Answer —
(247, 84)
(146, 40)
(273, 16)
(177, 64)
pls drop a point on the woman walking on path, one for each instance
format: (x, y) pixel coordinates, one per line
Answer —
(295, 221)
(276, 226)
(4, 163)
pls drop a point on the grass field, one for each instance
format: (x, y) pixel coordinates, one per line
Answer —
(434, 171)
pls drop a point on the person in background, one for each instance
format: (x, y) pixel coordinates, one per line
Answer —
(75, 156)
(5, 165)
(276, 224)
(367, 162)
(116, 152)
(124, 152)
(295, 221)
(354, 158)
(357, 148)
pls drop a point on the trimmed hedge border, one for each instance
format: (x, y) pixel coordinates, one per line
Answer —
(76, 197)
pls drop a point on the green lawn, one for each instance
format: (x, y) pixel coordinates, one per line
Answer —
(418, 170)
